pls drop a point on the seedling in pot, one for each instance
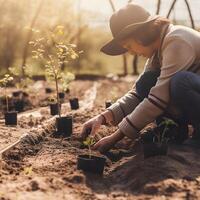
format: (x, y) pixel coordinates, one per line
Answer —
(54, 106)
(159, 146)
(89, 162)
(54, 59)
(10, 117)
(20, 97)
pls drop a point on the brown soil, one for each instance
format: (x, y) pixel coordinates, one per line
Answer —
(44, 167)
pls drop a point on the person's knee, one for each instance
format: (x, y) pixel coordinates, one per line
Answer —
(146, 82)
(178, 85)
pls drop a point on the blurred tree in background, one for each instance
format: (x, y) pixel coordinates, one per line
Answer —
(23, 21)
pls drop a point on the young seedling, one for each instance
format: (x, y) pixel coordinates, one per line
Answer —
(161, 136)
(28, 171)
(89, 142)
(3, 84)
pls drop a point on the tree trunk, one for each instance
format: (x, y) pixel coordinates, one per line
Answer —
(171, 8)
(158, 7)
(190, 14)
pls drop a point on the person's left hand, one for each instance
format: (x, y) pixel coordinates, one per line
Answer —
(108, 142)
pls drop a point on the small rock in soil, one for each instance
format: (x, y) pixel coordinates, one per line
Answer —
(34, 185)
(75, 178)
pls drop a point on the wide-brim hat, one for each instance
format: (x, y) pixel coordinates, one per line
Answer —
(124, 22)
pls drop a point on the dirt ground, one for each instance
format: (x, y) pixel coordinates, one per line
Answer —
(45, 167)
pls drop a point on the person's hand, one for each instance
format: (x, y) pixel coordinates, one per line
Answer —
(106, 143)
(91, 126)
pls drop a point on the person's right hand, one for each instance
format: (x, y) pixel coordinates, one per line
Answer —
(91, 126)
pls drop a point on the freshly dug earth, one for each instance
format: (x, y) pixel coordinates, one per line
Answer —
(44, 167)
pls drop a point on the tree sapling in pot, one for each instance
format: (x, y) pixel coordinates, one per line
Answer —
(55, 58)
(10, 116)
(89, 162)
(20, 97)
(63, 123)
(54, 106)
(159, 145)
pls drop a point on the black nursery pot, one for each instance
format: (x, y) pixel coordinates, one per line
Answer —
(64, 126)
(94, 164)
(25, 94)
(67, 91)
(16, 93)
(74, 103)
(154, 149)
(48, 90)
(10, 118)
(108, 104)
(54, 108)
(61, 95)
(19, 105)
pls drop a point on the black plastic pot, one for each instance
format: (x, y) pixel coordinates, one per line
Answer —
(16, 93)
(61, 95)
(64, 126)
(19, 105)
(25, 94)
(67, 91)
(74, 103)
(54, 108)
(108, 103)
(48, 90)
(10, 118)
(94, 164)
(155, 149)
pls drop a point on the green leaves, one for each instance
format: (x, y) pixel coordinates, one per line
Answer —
(89, 141)
(5, 80)
(167, 123)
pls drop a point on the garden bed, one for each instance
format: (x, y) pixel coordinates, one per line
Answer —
(45, 167)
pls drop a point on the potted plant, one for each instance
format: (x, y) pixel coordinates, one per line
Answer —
(159, 145)
(74, 103)
(61, 95)
(89, 162)
(20, 96)
(54, 106)
(54, 59)
(48, 90)
(53, 72)
(10, 116)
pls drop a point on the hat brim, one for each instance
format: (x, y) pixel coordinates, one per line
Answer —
(113, 48)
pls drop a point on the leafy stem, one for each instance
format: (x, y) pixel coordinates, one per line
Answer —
(89, 142)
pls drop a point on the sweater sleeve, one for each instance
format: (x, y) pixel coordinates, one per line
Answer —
(126, 104)
(177, 55)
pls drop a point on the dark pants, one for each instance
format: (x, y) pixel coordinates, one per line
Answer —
(184, 92)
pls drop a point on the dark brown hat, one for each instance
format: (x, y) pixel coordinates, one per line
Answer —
(123, 23)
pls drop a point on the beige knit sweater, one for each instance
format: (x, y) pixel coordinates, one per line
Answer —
(180, 50)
